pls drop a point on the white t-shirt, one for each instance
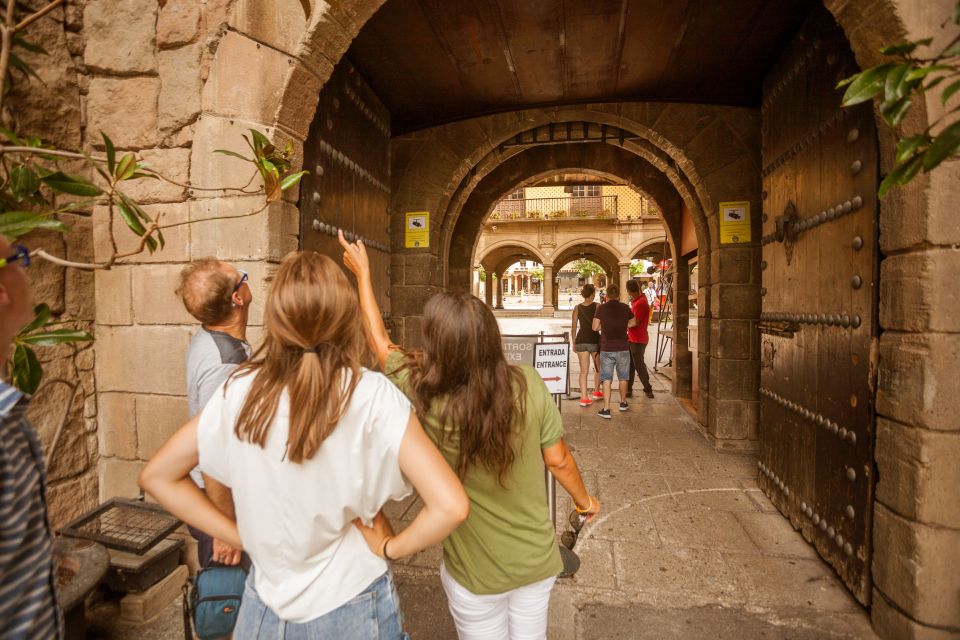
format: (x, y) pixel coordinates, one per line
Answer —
(295, 520)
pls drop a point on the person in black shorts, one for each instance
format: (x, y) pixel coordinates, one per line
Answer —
(586, 344)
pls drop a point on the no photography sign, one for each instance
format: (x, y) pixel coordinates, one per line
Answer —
(551, 362)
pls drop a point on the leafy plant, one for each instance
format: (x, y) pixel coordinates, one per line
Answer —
(897, 85)
(27, 371)
(35, 190)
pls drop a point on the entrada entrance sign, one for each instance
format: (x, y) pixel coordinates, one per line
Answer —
(551, 362)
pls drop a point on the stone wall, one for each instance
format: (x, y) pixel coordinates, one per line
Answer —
(145, 65)
(917, 512)
(64, 409)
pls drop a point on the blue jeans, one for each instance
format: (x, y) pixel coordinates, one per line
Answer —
(610, 360)
(373, 613)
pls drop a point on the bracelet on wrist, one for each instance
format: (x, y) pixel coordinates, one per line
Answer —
(588, 508)
(386, 556)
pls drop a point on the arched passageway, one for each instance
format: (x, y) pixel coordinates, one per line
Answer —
(427, 105)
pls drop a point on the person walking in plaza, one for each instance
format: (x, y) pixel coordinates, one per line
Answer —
(312, 443)
(499, 428)
(28, 600)
(612, 320)
(638, 338)
(586, 344)
(219, 296)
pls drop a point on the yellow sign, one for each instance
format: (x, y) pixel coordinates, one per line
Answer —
(734, 222)
(417, 225)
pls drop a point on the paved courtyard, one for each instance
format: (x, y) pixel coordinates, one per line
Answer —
(687, 546)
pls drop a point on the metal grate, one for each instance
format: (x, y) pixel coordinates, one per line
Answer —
(126, 525)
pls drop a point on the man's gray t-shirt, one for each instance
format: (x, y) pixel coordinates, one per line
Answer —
(211, 357)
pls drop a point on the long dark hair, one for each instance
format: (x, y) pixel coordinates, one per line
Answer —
(462, 360)
(313, 347)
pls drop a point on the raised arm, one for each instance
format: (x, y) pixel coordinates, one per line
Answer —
(167, 478)
(445, 503)
(356, 259)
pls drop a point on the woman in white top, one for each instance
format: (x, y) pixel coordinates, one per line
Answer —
(313, 444)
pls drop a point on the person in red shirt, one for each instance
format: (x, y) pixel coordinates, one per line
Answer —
(638, 337)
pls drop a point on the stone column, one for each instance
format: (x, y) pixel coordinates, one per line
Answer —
(624, 276)
(500, 285)
(547, 290)
(475, 277)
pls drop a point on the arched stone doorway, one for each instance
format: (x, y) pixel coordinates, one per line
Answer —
(280, 94)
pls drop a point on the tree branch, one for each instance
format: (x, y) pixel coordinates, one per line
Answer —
(6, 44)
(37, 15)
(49, 152)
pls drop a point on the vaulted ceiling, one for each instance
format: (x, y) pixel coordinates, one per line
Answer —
(434, 61)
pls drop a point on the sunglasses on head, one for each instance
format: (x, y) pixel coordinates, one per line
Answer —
(20, 256)
(243, 278)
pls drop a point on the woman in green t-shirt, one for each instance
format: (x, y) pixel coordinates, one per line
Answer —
(498, 428)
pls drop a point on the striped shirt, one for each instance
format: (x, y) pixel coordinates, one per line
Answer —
(28, 604)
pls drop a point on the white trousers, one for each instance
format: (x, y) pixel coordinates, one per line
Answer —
(520, 614)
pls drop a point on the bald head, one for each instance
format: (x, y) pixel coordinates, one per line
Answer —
(206, 288)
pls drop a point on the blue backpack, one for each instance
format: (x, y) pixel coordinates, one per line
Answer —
(212, 601)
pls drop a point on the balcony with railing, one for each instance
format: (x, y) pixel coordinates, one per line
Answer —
(566, 208)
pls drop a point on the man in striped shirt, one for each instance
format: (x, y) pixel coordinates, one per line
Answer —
(28, 602)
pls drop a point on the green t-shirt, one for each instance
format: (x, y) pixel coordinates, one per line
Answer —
(508, 540)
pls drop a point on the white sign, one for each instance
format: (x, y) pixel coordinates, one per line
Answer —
(551, 362)
(519, 350)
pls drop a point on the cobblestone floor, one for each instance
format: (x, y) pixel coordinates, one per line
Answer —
(686, 547)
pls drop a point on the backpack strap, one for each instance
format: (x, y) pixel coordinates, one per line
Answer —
(187, 628)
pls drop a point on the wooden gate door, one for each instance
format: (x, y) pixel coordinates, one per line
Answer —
(820, 296)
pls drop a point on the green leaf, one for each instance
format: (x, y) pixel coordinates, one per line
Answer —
(260, 141)
(291, 180)
(23, 67)
(111, 153)
(226, 152)
(907, 147)
(894, 112)
(10, 135)
(23, 181)
(140, 174)
(894, 86)
(866, 85)
(904, 47)
(41, 317)
(949, 91)
(55, 337)
(901, 175)
(944, 145)
(26, 371)
(131, 214)
(923, 72)
(29, 46)
(14, 224)
(126, 168)
(73, 185)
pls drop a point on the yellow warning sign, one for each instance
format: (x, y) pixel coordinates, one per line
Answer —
(734, 222)
(417, 225)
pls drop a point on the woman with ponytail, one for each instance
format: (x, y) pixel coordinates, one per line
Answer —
(498, 427)
(312, 444)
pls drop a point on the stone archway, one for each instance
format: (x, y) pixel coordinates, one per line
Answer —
(266, 72)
